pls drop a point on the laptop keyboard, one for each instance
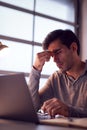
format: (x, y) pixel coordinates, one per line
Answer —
(41, 115)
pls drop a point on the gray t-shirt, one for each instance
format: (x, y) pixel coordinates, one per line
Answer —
(59, 85)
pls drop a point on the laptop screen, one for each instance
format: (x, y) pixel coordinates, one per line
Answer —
(15, 99)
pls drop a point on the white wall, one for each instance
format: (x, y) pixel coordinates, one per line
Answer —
(84, 30)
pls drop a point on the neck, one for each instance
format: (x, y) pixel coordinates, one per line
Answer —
(77, 70)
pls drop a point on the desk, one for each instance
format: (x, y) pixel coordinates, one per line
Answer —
(18, 125)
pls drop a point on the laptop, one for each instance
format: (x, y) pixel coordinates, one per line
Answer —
(15, 99)
(16, 103)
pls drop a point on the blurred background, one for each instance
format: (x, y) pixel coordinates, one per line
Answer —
(24, 25)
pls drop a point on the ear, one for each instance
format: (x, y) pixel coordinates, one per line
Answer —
(73, 47)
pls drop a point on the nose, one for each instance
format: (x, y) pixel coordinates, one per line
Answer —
(55, 58)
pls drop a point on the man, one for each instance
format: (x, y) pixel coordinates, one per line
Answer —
(65, 91)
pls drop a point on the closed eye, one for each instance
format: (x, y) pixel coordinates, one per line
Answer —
(57, 51)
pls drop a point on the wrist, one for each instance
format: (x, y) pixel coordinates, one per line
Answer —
(39, 68)
(35, 67)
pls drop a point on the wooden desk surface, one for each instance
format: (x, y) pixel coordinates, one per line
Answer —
(17, 125)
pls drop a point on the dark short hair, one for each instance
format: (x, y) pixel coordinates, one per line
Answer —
(67, 37)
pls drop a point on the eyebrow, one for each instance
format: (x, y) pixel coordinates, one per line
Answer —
(56, 50)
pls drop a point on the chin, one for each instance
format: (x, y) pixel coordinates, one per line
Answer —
(62, 70)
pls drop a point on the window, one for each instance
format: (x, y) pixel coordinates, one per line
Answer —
(43, 26)
(17, 57)
(62, 9)
(16, 23)
(24, 25)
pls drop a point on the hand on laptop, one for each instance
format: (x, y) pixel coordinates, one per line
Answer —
(54, 106)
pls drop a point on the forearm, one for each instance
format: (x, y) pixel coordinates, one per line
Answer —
(77, 112)
(33, 84)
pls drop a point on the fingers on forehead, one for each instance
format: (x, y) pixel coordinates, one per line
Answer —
(44, 53)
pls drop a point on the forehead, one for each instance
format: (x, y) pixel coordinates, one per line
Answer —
(57, 44)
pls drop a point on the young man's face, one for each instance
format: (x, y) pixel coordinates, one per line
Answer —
(62, 56)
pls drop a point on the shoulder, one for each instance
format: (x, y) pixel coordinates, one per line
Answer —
(57, 74)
